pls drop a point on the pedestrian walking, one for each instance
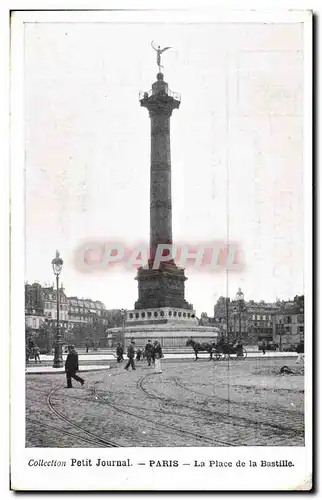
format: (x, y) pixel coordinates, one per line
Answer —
(300, 352)
(149, 352)
(138, 354)
(36, 352)
(158, 354)
(87, 348)
(71, 367)
(262, 346)
(130, 355)
(119, 353)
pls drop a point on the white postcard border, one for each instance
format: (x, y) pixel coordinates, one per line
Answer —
(147, 478)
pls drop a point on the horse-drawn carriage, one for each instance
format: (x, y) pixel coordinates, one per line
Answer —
(223, 349)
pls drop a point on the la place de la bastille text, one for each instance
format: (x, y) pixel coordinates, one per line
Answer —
(88, 462)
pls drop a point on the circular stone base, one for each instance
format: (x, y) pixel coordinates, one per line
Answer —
(174, 337)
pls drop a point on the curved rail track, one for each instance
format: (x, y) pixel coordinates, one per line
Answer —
(169, 427)
(276, 411)
(60, 430)
(94, 437)
(242, 421)
(208, 416)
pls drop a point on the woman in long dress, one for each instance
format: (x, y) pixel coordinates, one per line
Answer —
(158, 355)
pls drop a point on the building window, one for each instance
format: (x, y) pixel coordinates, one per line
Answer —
(184, 315)
(162, 314)
(143, 315)
(137, 315)
(155, 314)
(170, 313)
(131, 316)
(192, 315)
(179, 314)
(175, 313)
(188, 315)
(149, 314)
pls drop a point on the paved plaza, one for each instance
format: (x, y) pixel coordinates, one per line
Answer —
(203, 403)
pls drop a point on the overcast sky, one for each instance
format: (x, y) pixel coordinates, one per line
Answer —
(239, 125)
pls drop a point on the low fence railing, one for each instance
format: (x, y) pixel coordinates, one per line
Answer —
(170, 93)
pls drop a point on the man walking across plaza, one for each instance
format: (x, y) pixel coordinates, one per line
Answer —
(119, 352)
(130, 355)
(71, 367)
(149, 352)
(300, 352)
(36, 352)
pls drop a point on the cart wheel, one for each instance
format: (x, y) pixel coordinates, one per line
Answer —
(242, 355)
(215, 356)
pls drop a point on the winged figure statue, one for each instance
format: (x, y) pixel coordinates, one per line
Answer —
(159, 51)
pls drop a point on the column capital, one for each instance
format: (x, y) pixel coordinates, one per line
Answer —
(160, 104)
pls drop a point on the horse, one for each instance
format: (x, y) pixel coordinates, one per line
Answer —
(196, 346)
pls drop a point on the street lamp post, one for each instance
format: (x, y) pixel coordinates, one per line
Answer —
(123, 327)
(227, 319)
(240, 302)
(281, 332)
(57, 264)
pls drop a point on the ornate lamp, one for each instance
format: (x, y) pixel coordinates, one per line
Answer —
(57, 265)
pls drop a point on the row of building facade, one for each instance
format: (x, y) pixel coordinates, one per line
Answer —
(82, 321)
(280, 322)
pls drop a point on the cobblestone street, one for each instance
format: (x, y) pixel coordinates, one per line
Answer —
(225, 403)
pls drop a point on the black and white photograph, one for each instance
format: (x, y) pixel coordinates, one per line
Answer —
(163, 186)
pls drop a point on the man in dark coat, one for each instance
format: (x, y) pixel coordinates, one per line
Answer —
(149, 352)
(119, 352)
(27, 354)
(71, 367)
(138, 354)
(36, 352)
(130, 355)
(300, 352)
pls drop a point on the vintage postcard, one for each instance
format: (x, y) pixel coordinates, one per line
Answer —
(161, 197)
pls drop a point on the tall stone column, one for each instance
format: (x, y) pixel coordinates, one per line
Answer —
(160, 106)
(162, 287)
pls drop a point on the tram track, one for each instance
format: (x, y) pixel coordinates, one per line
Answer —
(102, 441)
(205, 416)
(242, 421)
(60, 431)
(240, 404)
(172, 428)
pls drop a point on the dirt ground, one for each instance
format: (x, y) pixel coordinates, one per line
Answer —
(204, 403)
